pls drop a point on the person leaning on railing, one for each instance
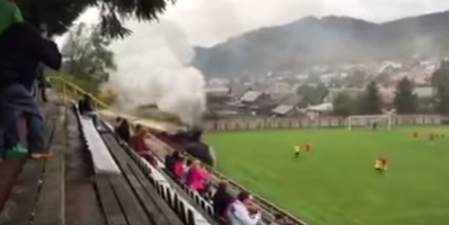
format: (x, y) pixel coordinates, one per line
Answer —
(22, 48)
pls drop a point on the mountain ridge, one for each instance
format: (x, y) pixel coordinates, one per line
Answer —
(331, 39)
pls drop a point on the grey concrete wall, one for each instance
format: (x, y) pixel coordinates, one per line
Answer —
(252, 123)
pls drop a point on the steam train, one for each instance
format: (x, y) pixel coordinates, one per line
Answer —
(190, 141)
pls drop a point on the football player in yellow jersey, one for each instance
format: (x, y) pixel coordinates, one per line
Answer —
(381, 164)
(378, 165)
(297, 150)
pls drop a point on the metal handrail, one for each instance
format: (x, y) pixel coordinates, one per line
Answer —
(270, 208)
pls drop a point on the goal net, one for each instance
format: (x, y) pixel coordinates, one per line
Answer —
(369, 120)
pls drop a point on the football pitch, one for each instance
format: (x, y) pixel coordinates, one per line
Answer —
(336, 184)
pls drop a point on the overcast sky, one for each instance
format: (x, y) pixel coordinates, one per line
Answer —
(208, 22)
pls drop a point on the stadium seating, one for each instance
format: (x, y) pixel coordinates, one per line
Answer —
(138, 183)
(200, 204)
(102, 159)
(165, 186)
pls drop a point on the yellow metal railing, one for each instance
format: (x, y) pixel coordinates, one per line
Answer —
(73, 92)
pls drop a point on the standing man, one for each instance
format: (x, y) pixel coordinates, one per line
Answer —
(22, 49)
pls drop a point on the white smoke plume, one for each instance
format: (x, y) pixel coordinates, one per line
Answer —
(153, 68)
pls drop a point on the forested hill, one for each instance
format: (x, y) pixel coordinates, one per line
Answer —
(324, 40)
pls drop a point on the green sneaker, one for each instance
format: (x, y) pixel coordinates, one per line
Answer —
(18, 152)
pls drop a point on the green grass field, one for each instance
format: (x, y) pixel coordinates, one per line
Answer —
(336, 183)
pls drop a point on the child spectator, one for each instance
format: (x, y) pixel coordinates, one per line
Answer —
(196, 177)
(205, 181)
(242, 211)
(171, 159)
(178, 168)
(139, 145)
(186, 169)
(221, 200)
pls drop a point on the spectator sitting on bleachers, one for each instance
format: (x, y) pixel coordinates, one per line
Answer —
(170, 160)
(121, 128)
(140, 146)
(206, 184)
(196, 177)
(22, 47)
(178, 168)
(243, 211)
(221, 200)
(185, 171)
(86, 109)
(118, 120)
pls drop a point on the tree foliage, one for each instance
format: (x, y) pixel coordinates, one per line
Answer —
(405, 101)
(383, 78)
(441, 75)
(107, 96)
(312, 94)
(344, 104)
(313, 78)
(440, 82)
(58, 15)
(442, 100)
(86, 56)
(356, 79)
(371, 102)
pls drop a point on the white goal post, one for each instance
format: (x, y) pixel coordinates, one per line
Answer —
(368, 120)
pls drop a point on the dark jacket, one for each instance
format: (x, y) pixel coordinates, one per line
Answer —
(85, 106)
(122, 130)
(22, 48)
(221, 201)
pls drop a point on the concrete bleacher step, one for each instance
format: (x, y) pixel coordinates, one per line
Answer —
(81, 202)
(102, 159)
(154, 205)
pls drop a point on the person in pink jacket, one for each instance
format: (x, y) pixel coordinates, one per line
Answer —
(196, 176)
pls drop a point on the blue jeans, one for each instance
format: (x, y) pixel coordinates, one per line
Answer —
(16, 100)
(11, 138)
(95, 118)
(9, 134)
